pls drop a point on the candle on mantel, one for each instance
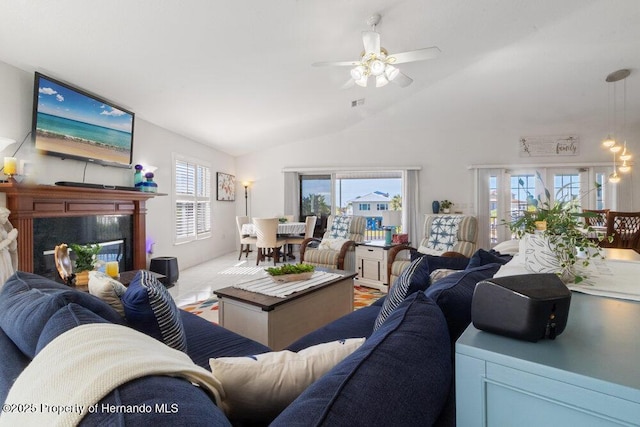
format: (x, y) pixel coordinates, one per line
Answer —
(10, 165)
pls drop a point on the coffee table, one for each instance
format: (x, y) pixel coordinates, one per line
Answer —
(277, 322)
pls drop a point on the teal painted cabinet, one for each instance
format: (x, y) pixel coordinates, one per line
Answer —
(588, 376)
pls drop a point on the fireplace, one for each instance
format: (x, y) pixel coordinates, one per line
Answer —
(79, 215)
(112, 232)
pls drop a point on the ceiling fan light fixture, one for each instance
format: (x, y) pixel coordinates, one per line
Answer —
(358, 72)
(362, 81)
(376, 67)
(381, 80)
(391, 72)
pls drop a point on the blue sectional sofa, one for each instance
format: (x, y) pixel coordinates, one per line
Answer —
(401, 375)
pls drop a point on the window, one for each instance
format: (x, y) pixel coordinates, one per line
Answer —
(192, 196)
(502, 195)
(360, 193)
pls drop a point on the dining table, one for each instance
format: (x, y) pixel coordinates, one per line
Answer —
(283, 228)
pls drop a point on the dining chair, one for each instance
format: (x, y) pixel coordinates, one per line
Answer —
(267, 238)
(596, 217)
(625, 229)
(310, 225)
(245, 240)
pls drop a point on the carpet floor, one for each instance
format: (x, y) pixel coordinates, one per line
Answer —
(208, 309)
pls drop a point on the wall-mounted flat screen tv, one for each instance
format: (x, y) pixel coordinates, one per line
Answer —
(71, 123)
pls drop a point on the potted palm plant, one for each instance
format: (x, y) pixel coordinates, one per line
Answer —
(556, 239)
(85, 261)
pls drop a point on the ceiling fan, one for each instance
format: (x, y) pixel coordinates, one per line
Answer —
(376, 62)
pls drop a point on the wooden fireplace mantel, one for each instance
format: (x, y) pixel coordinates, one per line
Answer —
(27, 202)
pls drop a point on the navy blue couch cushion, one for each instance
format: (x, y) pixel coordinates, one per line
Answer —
(12, 361)
(437, 262)
(454, 293)
(357, 324)
(482, 257)
(66, 318)
(27, 301)
(172, 402)
(414, 278)
(400, 376)
(150, 309)
(206, 340)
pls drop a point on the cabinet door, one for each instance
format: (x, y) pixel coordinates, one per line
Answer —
(370, 269)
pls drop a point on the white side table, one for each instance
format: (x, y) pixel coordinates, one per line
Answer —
(371, 264)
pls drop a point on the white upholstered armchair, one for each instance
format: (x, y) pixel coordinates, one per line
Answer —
(444, 235)
(337, 248)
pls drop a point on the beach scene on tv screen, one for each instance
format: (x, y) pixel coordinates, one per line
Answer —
(69, 122)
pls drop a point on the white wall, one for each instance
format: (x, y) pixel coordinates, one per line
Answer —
(451, 135)
(152, 145)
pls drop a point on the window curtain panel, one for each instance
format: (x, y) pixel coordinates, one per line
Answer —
(292, 194)
(411, 206)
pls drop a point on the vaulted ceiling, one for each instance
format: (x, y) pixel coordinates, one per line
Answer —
(237, 75)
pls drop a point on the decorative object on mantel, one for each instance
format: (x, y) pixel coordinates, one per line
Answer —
(10, 166)
(554, 235)
(226, 190)
(290, 272)
(8, 246)
(435, 206)
(610, 141)
(137, 177)
(445, 206)
(543, 146)
(85, 261)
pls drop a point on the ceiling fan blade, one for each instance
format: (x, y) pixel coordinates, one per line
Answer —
(414, 55)
(349, 84)
(402, 80)
(371, 41)
(336, 63)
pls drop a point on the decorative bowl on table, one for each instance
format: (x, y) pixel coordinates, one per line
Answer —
(290, 272)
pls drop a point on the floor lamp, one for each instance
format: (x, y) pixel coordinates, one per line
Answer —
(246, 197)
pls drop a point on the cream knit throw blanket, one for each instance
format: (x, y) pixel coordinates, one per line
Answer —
(81, 366)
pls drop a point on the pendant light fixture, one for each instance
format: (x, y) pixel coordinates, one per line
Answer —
(610, 142)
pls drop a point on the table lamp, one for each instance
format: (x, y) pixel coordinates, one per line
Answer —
(390, 220)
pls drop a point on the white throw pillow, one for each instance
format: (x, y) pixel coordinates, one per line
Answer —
(107, 289)
(332, 244)
(257, 388)
(508, 247)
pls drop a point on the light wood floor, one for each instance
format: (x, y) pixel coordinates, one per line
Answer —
(198, 282)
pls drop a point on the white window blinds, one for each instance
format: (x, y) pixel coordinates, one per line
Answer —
(192, 200)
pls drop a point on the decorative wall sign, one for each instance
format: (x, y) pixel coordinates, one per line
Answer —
(226, 187)
(538, 146)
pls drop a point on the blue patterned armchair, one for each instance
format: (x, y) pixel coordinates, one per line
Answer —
(337, 248)
(444, 235)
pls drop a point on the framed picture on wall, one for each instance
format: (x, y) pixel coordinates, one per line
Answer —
(226, 187)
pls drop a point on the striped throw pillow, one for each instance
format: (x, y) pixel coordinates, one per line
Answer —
(414, 278)
(149, 308)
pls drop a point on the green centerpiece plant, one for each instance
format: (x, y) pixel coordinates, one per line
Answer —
(557, 238)
(290, 272)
